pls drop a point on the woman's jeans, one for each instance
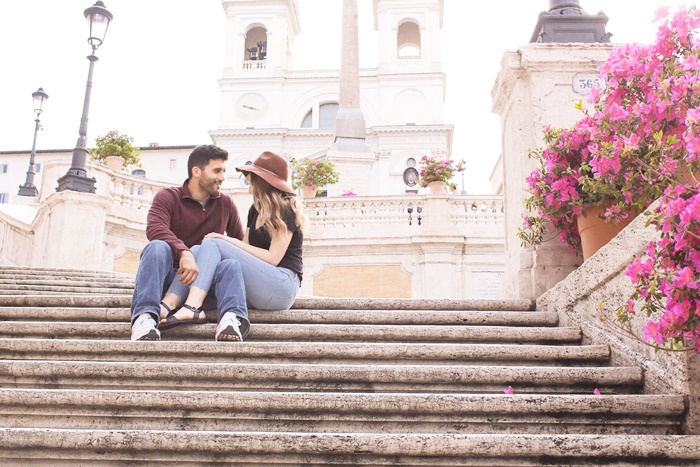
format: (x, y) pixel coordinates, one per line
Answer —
(239, 280)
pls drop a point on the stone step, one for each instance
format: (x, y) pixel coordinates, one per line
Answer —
(303, 352)
(34, 447)
(318, 377)
(340, 412)
(65, 300)
(19, 289)
(494, 318)
(7, 282)
(306, 332)
(121, 301)
(16, 273)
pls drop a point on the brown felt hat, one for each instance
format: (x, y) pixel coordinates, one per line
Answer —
(271, 168)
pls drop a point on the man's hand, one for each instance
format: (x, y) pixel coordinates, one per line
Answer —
(188, 268)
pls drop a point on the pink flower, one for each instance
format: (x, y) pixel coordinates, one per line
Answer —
(652, 331)
(508, 390)
(596, 392)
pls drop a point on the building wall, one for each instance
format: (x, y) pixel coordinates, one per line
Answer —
(536, 87)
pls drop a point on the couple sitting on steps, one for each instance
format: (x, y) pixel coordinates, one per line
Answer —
(200, 258)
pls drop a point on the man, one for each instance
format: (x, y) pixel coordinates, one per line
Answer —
(178, 220)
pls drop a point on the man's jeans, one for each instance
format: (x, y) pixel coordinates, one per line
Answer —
(234, 277)
(153, 277)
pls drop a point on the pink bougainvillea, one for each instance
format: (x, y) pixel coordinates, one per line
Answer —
(640, 143)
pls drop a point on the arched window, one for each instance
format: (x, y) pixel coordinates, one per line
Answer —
(306, 123)
(326, 116)
(255, 44)
(408, 40)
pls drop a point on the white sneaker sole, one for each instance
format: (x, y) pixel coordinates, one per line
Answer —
(230, 334)
(152, 335)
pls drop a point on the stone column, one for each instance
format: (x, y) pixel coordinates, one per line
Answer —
(537, 86)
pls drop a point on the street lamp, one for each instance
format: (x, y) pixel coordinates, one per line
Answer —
(29, 189)
(463, 163)
(76, 179)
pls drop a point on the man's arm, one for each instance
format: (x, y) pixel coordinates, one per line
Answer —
(158, 228)
(160, 219)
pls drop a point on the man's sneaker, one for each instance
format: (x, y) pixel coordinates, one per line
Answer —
(229, 328)
(144, 329)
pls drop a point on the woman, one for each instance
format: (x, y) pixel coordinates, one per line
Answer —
(263, 270)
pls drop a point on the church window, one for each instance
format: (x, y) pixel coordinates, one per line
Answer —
(255, 44)
(326, 117)
(408, 40)
(308, 120)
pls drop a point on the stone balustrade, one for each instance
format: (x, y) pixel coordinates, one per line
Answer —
(418, 246)
(467, 214)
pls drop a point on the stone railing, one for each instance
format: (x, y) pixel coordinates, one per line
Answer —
(412, 60)
(254, 64)
(588, 297)
(456, 214)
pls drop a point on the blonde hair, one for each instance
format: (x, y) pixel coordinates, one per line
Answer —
(271, 203)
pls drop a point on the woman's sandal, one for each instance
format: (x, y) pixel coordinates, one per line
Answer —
(169, 310)
(172, 320)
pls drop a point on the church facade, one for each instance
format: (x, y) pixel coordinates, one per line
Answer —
(267, 105)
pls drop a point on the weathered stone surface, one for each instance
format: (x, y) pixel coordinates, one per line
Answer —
(330, 382)
(341, 412)
(588, 298)
(316, 332)
(304, 352)
(222, 447)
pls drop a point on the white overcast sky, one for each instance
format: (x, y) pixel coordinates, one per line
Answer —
(157, 77)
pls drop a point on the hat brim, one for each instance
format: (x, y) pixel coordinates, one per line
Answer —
(269, 177)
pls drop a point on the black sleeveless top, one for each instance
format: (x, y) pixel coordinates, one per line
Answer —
(260, 238)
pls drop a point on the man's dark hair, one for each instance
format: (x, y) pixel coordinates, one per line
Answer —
(201, 155)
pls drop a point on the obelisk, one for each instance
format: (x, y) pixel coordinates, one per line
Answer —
(350, 129)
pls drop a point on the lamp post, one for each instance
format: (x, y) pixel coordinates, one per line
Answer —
(463, 163)
(29, 189)
(76, 179)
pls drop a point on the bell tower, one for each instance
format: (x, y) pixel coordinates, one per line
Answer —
(409, 35)
(259, 46)
(409, 46)
(259, 37)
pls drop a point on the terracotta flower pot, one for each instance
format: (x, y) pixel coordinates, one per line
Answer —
(308, 192)
(114, 162)
(596, 233)
(437, 188)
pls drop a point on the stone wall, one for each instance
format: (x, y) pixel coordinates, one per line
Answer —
(537, 85)
(588, 298)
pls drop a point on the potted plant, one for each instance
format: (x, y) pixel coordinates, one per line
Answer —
(311, 174)
(435, 173)
(116, 150)
(556, 189)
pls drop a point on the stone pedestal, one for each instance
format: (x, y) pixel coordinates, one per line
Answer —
(71, 234)
(538, 85)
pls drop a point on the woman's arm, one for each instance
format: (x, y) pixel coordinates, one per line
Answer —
(278, 246)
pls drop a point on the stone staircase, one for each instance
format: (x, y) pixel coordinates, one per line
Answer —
(330, 382)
